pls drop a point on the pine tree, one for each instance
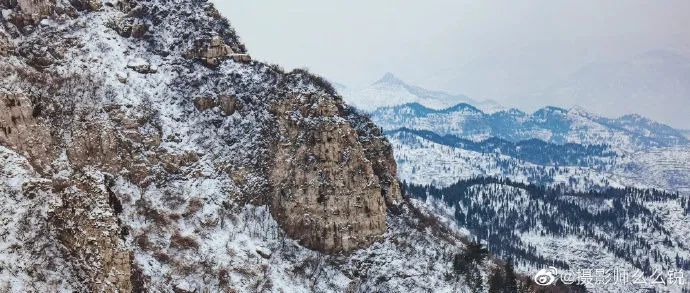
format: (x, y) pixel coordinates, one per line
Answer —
(510, 279)
(497, 283)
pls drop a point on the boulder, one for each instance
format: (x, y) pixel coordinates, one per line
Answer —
(242, 58)
(142, 66)
(228, 105)
(211, 51)
(129, 27)
(204, 103)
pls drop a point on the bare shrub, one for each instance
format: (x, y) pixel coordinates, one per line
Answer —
(179, 241)
(316, 80)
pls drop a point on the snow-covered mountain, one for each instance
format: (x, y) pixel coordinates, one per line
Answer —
(551, 124)
(569, 216)
(391, 91)
(142, 150)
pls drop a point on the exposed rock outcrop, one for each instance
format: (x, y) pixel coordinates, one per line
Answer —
(142, 66)
(20, 130)
(89, 233)
(129, 27)
(326, 192)
(214, 50)
(5, 46)
(211, 51)
(227, 104)
(36, 9)
(380, 153)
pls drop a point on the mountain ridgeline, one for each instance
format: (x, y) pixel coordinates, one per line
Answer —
(550, 124)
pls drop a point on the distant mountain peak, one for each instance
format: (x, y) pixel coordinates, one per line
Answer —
(462, 106)
(550, 110)
(633, 116)
(389, 78)
(581, 111)
(389, 91)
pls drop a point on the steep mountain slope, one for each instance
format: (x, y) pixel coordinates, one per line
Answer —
(550, 124)
(391, 91)
(143, 151)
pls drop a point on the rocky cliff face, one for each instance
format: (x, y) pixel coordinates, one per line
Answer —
(137, 156)
(326, 192)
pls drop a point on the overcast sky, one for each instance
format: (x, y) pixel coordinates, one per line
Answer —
(500, 50)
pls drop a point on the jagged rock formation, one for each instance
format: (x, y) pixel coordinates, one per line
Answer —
(140, 166)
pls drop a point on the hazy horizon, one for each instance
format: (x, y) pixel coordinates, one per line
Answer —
(523, 55)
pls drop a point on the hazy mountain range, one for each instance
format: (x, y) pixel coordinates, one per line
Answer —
(390, 91)
(655, 84)
(394, 103)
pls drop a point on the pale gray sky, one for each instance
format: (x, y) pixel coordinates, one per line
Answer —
(509, 51)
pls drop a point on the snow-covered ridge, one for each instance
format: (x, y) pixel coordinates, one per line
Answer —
(551, 124)
(534, 150)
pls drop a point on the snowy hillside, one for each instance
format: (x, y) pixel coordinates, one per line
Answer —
(639, 232)
(391, 91)
(596, 213)
(424, 160)
(421, 161)
(667, 168)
